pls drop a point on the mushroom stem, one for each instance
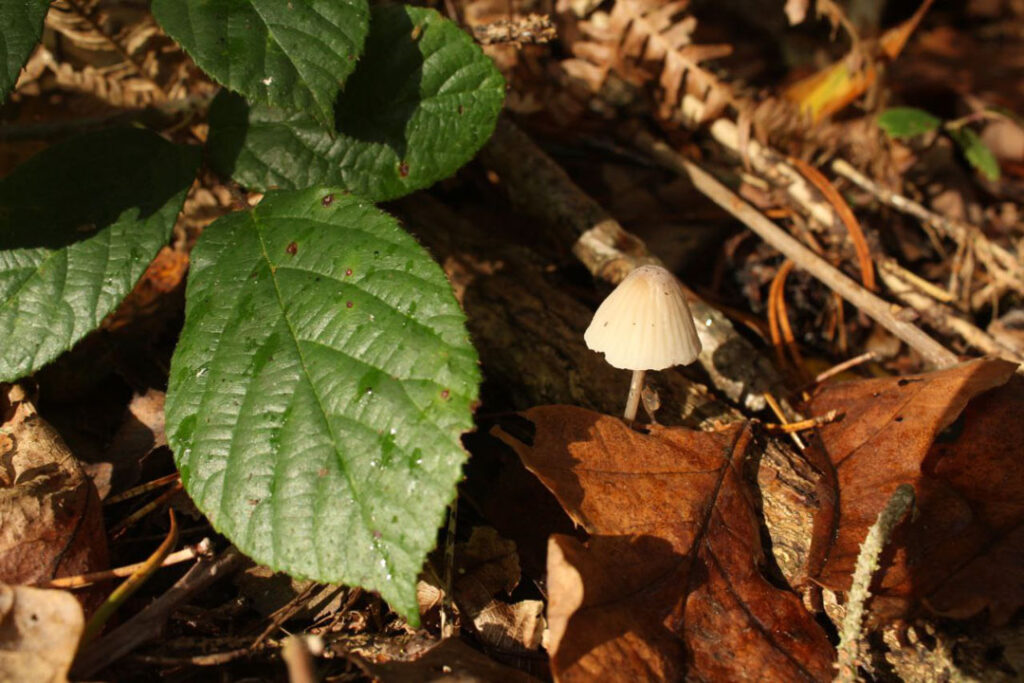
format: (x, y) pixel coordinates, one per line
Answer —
(636, 385)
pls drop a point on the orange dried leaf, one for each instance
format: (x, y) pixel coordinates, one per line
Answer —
(956, 435)
(831, 89)
(669, 584)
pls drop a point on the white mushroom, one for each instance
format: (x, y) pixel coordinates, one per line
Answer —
(644, 324)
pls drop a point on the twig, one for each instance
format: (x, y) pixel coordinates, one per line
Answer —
(120, 527)
(1001, 264)
(778, 321)
(844, 366)
(214, 659)
(83, 580)
(956, 230)
(298, 656)
(540, 188)
(148, 624)
(934, 291)
(809, 423)
(283, 614)
(784, 420)
(867, 564)
(881, 311)
(142, 488)
(945, 319)
(831, 194)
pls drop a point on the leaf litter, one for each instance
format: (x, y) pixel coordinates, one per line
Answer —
(951, 571)
(956, 436)
(670, 581)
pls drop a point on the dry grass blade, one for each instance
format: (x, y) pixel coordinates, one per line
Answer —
(125, 590)
(860, 243)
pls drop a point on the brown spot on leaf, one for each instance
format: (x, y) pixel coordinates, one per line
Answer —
(403, 169)
(327, 200)
(292, 248)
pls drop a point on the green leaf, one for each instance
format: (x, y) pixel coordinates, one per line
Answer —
(79, 224)
(319, 389)
(421, 103)
(21, 26)
(976, 152)
(292, 54)
(906, 122)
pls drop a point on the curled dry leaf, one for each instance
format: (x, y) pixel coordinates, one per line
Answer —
(39, 632)
(140, 432)
(488, 566)
(957, 436)
(52, 524)
(669, 585)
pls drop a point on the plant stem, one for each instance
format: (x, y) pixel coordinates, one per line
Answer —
(849, 651)
(636, 385)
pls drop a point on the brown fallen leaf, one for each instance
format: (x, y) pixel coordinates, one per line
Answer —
(488, 566)
(39, 632)
(140, 432)
(669, 584)
(957, 436)
(52, 523)
(164, 274)
(487, 571)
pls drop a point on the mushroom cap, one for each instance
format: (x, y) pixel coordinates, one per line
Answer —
(645, 324)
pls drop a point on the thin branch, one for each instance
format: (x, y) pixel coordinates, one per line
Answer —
(844, 366)
(1005, 264)
(148, 624)
(945, 319)
(83, 580)
(878, 309)
(540, 188)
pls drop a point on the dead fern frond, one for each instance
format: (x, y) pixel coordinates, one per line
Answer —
(643, 42)
(117, 85)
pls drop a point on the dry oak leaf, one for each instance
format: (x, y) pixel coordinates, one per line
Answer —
(39, 632)
(669, 584)
(957, 436)
(488, 566)
(51, 522)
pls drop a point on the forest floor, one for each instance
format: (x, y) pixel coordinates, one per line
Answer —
(841, 196)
